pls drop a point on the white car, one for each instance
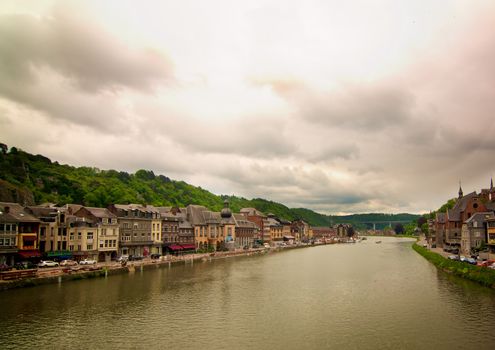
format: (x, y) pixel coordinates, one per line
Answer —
(48, 263)
(87, 262)
(68, 263)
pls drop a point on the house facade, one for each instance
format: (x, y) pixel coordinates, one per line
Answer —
(135, 224)
(18, 234)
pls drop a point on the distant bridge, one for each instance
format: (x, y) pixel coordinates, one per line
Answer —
(387, 223)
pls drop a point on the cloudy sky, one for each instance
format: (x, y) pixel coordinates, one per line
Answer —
(338, 106)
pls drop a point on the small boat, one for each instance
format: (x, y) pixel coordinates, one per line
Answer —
(377, 242)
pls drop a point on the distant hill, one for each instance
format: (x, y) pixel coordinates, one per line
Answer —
(33, 179)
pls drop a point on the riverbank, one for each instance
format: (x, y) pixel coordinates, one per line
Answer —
(61, 275)
(481, 275)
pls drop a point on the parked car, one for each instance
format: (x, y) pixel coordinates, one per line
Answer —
(48, 263)
(23, 265)
(87, 262)
(155, 256)
(135, 257)
(123, 258)
(486, 263)
(68, 263)
(470, 261)
(453, 257)
(462, 258)
(5, 267)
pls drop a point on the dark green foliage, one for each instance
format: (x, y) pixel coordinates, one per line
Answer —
(47, 181)
(399, 229)
(482, 275)
(449, 205)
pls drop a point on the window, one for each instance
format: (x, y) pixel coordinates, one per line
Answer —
(106, 243)
(79, 247)
(89, 247)
(1, 241)
(79, 235)
(71, 247)
(90, 235)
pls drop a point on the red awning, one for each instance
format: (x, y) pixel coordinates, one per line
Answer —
(30, 254)
(175, 247)
(188, 246)
(29, 238)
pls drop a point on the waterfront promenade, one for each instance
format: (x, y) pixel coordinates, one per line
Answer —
(63, 274)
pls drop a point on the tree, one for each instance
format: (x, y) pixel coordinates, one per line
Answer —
(350, 231)
(399, 229)
(421, 221)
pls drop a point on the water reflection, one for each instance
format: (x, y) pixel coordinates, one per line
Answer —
(351, 296)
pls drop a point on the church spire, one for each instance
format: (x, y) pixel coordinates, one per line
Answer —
(460, 190)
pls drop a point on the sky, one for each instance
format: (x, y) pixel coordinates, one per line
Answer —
(338, 106)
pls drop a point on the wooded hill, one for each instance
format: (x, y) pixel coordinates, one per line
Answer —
(33, 179)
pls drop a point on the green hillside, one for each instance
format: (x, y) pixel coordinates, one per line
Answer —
(32, 179)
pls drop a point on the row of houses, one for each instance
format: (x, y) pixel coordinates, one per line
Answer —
(469, 226)
(78, 232)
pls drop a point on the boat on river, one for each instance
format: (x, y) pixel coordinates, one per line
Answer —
(377, 242)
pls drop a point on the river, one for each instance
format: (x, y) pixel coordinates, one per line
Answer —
(347, 296)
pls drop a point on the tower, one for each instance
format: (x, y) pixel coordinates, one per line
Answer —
(460, 190)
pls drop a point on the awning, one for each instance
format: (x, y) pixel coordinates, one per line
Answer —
(174, 247)
(29, 254)
(188, 246)
(29, 238)
(59, 254)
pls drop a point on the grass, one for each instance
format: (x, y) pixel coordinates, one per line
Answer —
(481, 275)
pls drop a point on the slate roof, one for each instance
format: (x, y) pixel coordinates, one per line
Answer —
(480, 218)
(16, 213)
(454, 214)
(440, 217)
(101, 212)
(242, 222)
(251, 212)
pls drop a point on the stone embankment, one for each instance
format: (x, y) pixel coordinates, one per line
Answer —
(35, 277)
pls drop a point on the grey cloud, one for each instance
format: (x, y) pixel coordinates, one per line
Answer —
(77, 48)
(360, 107)
(365, 106)
(72, 70)
(330, 152)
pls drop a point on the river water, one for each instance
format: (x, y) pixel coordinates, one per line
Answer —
(348, 296)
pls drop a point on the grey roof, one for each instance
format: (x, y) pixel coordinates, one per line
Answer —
(16, 213)
(241, 221)
(195, 214)
(480, 218)
(490, 206)
(272, 222)
(143, 208)
(251, 212)
(440, 217)
(41, 211)
(101, 212)
(454, 214)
